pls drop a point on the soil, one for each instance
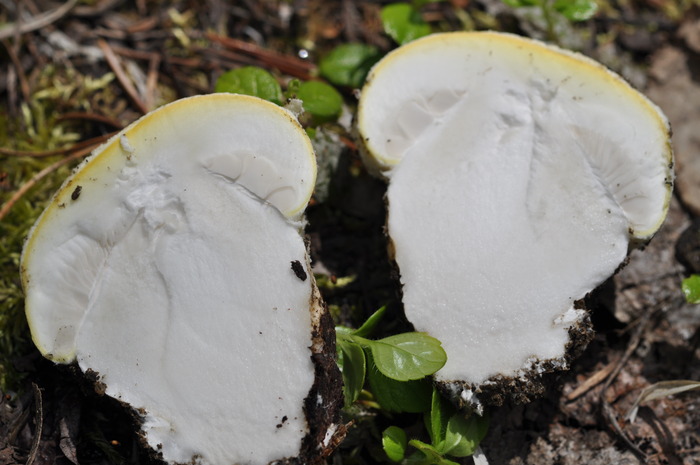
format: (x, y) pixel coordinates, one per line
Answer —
(158, 51)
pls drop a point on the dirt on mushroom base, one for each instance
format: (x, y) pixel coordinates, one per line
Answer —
(529, 385)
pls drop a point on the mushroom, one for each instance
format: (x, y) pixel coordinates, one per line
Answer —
(171, 266)
(519, 177)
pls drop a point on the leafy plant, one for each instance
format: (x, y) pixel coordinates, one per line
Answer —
(404, 23)
(554, 12)
(451, 434)
(395, 367)
(320, 100)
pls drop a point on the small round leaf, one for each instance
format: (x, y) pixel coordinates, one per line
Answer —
(408, 356)
(691, 289)
(250, 80)
(394, 442)
(321, 100)
(348, 64)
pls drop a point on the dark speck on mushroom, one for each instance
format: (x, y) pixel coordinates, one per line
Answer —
(298, 270)
(76, 192)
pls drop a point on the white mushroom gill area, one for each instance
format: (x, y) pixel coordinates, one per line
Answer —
(517, 174)
(509, 241)
(164, 266)
(205, 346)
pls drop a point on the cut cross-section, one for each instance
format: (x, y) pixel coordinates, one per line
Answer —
(519, 175)
(164, 265)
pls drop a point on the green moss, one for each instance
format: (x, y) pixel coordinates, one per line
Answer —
(14, 334)
(36, 127)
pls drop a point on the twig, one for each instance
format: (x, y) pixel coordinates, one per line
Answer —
(37, 22)
(591, 382)
(39, 176)
(97, 9)
(152, 80)
(290, 65)
(351, 19)
(91, 117)
(124, 80)
(38, 423)
(21, 75)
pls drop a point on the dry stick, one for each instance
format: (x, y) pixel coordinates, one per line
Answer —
(37, 22)
(144, 55)
(132, 53)
(99, 8)
(38, 422)
(21, 75)
(145, 25)
(39, 176)
(113, 62)
(290, 65)
(91, 117)
(592, 381)
(232, 57)
(152, 80)
(93, 142)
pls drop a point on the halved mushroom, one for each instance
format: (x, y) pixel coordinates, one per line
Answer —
(519, 174)
(172, 265)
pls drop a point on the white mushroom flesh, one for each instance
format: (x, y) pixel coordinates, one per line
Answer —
(518, 173)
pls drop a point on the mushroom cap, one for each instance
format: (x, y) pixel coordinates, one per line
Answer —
(163, 265)
(519, 175)
(428, 81)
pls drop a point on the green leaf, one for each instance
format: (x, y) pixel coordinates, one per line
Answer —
(407, 356)
(431, 456)
(403, 23)
(394, 442)
(398, 396)
(321, 100)
(691, 289)
(576, 10)
(353, 367)
(436, 422)
(348, 64)
(343, 331)
(371, 323)
(464, 434)
(250, 80)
